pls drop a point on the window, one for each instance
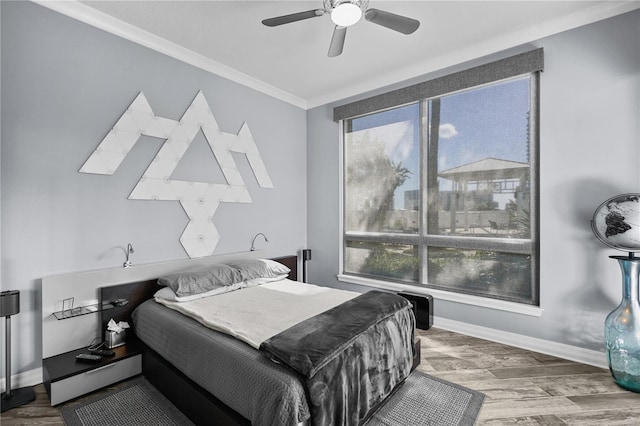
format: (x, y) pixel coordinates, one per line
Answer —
(440, 192)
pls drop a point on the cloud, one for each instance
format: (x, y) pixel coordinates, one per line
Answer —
(447, 131)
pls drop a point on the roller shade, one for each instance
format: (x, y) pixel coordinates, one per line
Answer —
(512, 66)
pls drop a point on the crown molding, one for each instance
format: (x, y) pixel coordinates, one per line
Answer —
(108, 23)
(597, 12)
(105, 22)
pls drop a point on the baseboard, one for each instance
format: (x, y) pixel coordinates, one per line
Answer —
(560, 350)
(24, 379)
(573, 353)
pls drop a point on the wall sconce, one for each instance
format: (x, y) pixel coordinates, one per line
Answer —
(254, 240)
(306, 255)
(127, 262)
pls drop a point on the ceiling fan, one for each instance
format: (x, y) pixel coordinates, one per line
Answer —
(345, 13)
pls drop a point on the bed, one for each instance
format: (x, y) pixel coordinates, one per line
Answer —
(297, 374)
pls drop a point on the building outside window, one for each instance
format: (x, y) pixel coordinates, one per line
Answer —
(440, 192)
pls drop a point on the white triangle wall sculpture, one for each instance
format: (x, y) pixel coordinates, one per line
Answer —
(199, 200)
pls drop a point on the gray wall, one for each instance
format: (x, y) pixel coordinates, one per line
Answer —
(589, 151)
(64, 85)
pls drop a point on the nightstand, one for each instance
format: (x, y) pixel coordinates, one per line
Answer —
(422, 305)
(65, 378)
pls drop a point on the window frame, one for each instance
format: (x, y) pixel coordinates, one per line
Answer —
(423, 240)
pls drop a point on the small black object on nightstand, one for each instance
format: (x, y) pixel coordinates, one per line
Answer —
(102, 352)
(90, 358)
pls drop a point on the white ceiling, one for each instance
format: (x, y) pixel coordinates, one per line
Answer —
(290, 61)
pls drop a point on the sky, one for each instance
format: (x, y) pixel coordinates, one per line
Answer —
(487, 122)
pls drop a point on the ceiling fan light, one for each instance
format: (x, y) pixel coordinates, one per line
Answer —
(346, 14)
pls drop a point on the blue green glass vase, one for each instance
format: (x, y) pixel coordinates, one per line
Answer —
(622, 328)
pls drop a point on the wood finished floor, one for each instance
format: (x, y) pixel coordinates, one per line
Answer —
(521, 387)
(527, 388)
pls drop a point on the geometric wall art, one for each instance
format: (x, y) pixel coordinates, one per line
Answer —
(200, 200)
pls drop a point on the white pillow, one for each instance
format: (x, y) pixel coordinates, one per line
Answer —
(259, 268)
(263, 280)
(166, 293)
(201, 280)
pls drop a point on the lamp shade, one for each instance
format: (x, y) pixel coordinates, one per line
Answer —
(9, 303)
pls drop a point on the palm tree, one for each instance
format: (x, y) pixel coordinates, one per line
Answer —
(371, 180)
(395, 179)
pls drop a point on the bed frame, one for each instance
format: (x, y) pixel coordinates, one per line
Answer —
(194, 401)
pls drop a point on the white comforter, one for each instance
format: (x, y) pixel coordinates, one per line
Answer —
(255, 314)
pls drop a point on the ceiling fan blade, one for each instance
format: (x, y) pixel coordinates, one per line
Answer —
(392, 21)
(337, 41)
(294, 17)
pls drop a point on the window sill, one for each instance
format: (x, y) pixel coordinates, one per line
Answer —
(500, 305)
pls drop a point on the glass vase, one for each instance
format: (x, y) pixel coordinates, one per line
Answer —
(622, 328)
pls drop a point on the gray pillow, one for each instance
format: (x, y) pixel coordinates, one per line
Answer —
(202, 280)
(259, 268)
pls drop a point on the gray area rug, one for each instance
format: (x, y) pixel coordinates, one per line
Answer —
(135, 403)
(422, 400)
(425, 400)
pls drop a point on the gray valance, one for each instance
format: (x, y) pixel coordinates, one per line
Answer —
(504, 68)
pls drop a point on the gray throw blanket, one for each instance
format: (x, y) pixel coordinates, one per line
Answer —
(351, 357)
